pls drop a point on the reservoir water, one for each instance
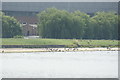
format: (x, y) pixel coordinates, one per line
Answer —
(84, 64)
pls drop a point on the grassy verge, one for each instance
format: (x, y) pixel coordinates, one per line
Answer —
(15, 41)
(67, 42)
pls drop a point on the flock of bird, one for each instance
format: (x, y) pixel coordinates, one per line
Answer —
(61, 49)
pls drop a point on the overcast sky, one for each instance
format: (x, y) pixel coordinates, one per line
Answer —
(60, 0)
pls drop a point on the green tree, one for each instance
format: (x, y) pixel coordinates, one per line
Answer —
(83, 23)
(1, 24)
(10, 27)
(105, 25)
(54, 23)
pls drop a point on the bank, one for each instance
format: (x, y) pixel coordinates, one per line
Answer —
(28, 50)
(55, 43)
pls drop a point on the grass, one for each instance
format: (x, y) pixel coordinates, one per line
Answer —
(98, 42)
(15, 41)
(68, 42)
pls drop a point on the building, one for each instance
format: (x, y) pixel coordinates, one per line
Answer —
(25, 12)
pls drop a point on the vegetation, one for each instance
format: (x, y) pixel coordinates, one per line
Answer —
(66, 42)
(20, 41)
(61, 24)
(18, 36)
(10, 26)
(104, 26)
(75, 29)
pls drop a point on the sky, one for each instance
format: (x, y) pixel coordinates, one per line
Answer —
(60, 0)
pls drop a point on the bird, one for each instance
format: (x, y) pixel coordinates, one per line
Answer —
(108, 48)
(2, 51)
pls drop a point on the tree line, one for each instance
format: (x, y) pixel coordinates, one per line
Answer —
(61, 24)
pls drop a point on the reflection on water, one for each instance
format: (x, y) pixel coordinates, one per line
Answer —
(86, 64)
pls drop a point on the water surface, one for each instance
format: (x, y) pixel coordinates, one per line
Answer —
(84, 64)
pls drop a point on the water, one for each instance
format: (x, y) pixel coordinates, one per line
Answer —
(86, 64)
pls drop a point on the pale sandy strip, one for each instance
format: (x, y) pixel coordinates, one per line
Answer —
(17, 50)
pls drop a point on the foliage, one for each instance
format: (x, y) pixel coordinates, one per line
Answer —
(85, 23)
(54, 23)
(61, 24)
(18, 36)
(10, 27)
(104, 25)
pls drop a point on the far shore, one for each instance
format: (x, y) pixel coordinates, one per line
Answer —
(27, 50)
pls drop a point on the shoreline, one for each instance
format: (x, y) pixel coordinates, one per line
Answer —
(27, 50)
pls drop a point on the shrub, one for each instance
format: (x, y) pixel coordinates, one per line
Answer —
(18, 36)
